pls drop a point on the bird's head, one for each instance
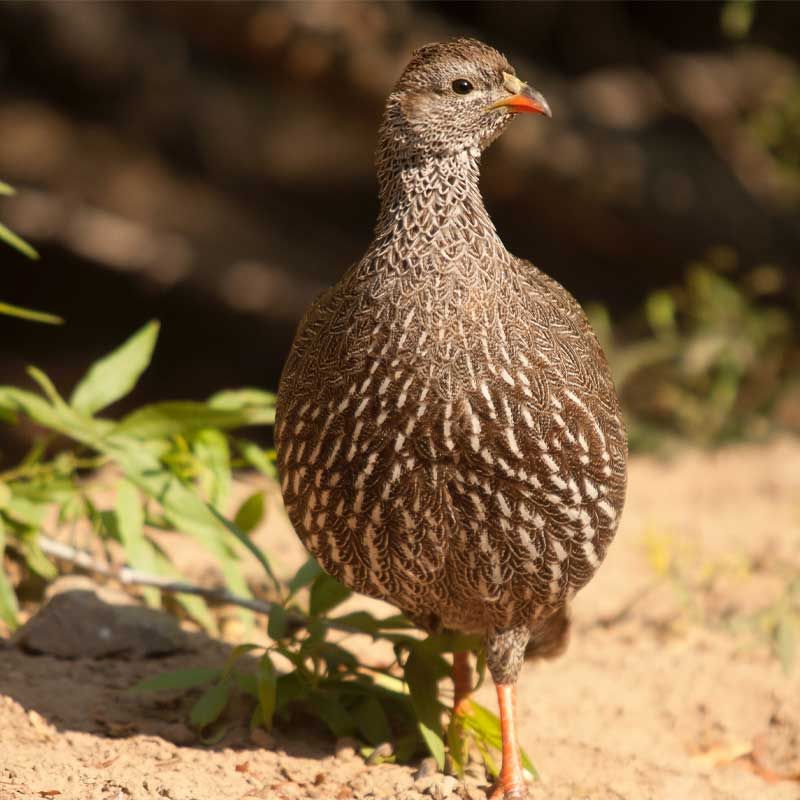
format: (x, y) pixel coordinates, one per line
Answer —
(455, 96)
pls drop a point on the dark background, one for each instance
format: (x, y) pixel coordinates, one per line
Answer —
(210, 164)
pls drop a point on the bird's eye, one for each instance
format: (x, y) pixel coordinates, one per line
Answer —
(461, 86)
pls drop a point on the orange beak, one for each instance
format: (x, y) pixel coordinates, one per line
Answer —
(523, 99)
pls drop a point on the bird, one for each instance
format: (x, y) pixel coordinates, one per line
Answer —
(448, 434)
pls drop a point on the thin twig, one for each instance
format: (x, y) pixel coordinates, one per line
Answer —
(130, 577)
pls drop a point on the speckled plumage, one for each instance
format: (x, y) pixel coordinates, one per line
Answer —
(448, 434)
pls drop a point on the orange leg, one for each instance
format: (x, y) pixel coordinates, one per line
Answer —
(462, 681)
(512, 782)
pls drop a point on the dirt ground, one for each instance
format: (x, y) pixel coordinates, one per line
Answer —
(670, 688)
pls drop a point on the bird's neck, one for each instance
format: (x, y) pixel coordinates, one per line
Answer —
(427, 205)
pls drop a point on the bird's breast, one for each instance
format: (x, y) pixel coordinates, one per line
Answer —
(453, 453)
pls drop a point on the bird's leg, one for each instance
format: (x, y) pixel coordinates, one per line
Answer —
(462, 682)
(512, 781)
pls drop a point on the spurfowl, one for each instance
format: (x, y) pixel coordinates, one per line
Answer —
(448, 433)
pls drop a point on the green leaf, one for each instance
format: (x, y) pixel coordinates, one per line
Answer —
(292, 687)
(211, 448)
(406, 747)
(28, 543)
(248, 684)
(335, 656)
(32, 405)
(193, 605)
(184, 679)
(250, 512)
(257, 457)
(242, 398)
(453, 641)
(7, 189)
(216, 734)
(489, 762)
(456, 743)
(362, 621)
(486, 725)
(304, 576)
(396, 622)
(236, 654)
(173, 418)
(391, 684)
(660, 312)
(267, 690)
(30, 314)
(10, 238)
(55, 416)
(372, 721)
(326, 593)
(252, 547)
(210, 705)
(8, 598)
(47, 489)
(528, 765)
(25, 512)
(115, 375)
(47, 386)
(315, 631)
(420, 675)
(334, 715)
(139, 550)
(182, 507)
(277, 622)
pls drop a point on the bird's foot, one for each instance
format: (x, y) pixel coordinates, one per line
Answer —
(501, 789)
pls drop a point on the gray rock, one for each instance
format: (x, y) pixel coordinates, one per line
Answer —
(424, 783)
(448, 785)
(427, 767)
(473, 789)
(77, 623)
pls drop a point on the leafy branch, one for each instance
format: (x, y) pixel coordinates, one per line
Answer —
(172, 469)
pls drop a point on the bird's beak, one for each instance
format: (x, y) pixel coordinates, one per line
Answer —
(522, 98)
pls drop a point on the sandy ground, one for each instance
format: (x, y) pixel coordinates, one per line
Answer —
(670, 688)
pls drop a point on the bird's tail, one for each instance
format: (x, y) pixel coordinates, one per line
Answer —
(549, 637)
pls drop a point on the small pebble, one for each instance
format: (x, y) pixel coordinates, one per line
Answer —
(475, 771)
(443, 788)
(380, 753)
(426, 768)
(425, 782)
(346, 748)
